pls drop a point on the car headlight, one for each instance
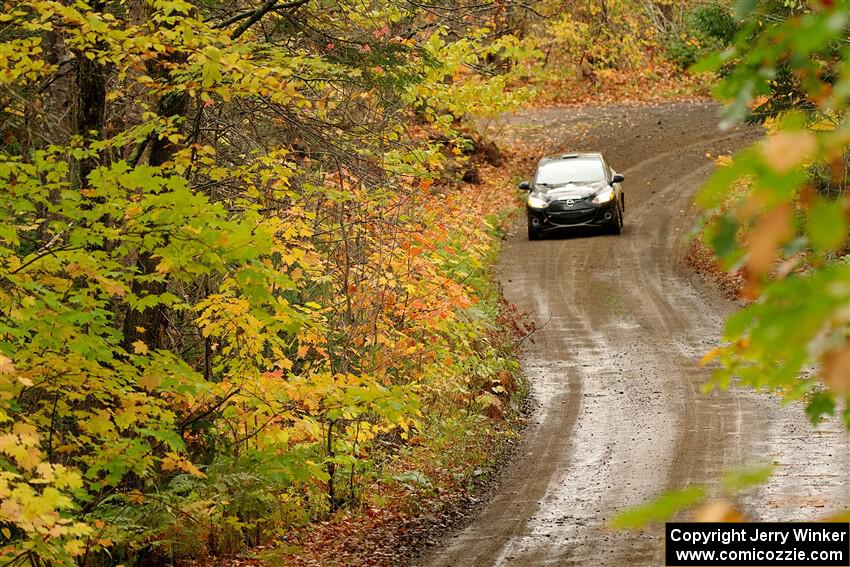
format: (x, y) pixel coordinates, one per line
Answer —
(537, 202)
(605, 196)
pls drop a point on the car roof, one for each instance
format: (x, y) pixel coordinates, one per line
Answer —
(570, 155)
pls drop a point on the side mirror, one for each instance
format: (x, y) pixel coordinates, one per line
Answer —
(618, 178)
(524, 186)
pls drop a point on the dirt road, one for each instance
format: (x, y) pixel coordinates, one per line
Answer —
(613, 368)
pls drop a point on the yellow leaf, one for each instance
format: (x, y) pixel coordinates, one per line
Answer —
(112, 287)
(75, 547)
(709, 356)
(186, 466)
(149, 382)
(133, 210)
(6, 366)
(169, 461)
(140, 348)
(24, 429)
(164, 266)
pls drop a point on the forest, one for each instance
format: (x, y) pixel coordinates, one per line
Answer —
(247, 250)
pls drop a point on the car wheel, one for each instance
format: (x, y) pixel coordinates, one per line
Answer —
(533, 234)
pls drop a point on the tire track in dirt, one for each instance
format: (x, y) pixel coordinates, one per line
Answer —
(613, 369)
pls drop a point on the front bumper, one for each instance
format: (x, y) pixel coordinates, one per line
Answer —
(553, 218)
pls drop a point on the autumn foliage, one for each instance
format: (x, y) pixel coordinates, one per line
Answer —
(234, 268)
(777, 213)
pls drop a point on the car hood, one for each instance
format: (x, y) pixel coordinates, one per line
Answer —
(570, 190)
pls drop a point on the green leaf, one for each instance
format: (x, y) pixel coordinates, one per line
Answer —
(826, 224)
(659, 510)
(167, 436)
(211, 71)
(820, 405)
(737, 480)
(414, 478)
(722, 237)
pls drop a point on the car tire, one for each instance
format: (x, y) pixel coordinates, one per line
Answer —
(533, 234)
(616, 226)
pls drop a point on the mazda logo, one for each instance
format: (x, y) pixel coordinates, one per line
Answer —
(570, 202)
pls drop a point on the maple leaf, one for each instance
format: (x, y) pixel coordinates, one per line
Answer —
(149, 381)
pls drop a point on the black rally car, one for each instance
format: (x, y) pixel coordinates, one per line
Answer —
(574, 190)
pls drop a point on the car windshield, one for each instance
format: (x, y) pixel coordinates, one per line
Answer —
(573, 170)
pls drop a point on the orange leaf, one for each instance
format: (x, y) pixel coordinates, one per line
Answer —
(771, 231)
(709, 356)
(717, 511)
(835, 371)
(786, 150)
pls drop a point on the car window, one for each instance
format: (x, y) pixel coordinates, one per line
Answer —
(574, 170)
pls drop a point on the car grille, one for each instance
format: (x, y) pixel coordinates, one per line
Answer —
(572, 217)
(561, 205)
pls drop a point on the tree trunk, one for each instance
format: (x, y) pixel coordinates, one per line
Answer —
(89, 108)
(149, 325)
